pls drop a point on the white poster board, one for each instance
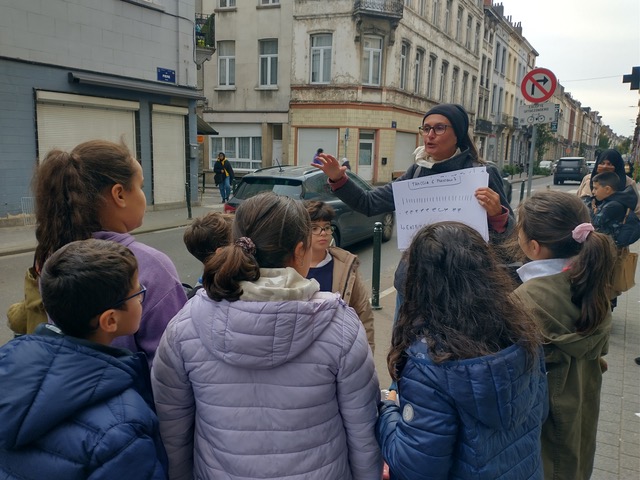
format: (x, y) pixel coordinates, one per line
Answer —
(437, 198)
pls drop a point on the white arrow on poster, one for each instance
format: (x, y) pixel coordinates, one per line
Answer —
(538, 113)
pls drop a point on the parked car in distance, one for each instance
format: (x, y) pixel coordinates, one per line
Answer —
(570, 168)
(546, 164)
(308, 183)
(591, 164)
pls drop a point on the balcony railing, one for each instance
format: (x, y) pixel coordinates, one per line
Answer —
(205, 31)
(379, 8)
(483, 126)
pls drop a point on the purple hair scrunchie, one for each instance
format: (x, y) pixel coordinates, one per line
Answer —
(246, 244)
(581, 232)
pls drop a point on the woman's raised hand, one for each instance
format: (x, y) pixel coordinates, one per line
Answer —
(330, 166)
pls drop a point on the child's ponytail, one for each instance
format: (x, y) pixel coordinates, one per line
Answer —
(590, 276)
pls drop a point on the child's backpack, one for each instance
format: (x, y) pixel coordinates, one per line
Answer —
(629, 230)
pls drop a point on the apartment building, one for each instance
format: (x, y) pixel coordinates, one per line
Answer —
(121, 70)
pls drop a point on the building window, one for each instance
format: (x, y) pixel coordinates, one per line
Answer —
(494, 100)
(372, 61)
(498, 52)
(321, 58)
(226, 63)
(435, 13)
(467, 38)
(459, 25)
(430, 73)
(227, 3)
(447, 17)
(504, 60)
(244, 153)
(419, 66)
(268, 63)
(463, 90)
(454, 84)
(423, 8)
(443, 82)
(477, 41)
(404, 51)
(269, 2)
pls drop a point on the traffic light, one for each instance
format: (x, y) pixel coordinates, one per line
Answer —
(633, 78)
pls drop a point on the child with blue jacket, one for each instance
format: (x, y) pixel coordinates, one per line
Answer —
(469, 366)
(73, 406)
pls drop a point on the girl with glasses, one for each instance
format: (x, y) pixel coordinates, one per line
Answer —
(335, 269)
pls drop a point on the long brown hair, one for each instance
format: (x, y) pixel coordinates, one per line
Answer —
(276, 225)
(549, 218)
(69, 188)
(456, 299)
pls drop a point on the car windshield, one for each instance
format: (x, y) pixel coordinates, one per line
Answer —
(250, 187)
(570, 163)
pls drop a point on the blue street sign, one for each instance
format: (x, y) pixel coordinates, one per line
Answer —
(166, 75)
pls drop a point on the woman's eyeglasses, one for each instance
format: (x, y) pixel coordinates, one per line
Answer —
(317, 229)
(142, 293)
(437, 129)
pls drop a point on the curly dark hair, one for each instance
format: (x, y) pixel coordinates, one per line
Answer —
(456, 299)
(319, 211)
(208, 233)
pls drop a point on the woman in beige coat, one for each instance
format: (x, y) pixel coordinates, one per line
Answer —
(335, 269)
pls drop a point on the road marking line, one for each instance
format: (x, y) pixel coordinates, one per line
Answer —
(386, 292)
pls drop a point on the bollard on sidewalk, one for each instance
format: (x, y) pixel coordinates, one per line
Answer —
(375, 272)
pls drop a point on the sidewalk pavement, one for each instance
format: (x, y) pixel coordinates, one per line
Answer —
(618, 447)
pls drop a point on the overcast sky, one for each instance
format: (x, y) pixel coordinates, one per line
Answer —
(589, 45)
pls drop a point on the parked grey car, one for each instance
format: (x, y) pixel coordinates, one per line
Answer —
(309, 183)
(570, 168)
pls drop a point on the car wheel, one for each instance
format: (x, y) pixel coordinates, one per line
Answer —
(555, 182)
(387, 227)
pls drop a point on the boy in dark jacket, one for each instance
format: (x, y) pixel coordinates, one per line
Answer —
(72, 406)
(610, 208)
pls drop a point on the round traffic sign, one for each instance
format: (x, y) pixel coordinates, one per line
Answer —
(538, 85)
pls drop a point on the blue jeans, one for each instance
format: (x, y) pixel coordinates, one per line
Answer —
(225, 188)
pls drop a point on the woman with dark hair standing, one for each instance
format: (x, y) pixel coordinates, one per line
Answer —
(96, 190)
(468, 362)
(261, 376)
(566, 287)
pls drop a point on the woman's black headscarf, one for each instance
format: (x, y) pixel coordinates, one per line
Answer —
(615, 159)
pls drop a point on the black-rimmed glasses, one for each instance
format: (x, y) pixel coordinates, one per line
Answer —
(437, 129)
(317, 229)
(142, 293)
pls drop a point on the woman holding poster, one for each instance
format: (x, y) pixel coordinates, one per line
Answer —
(447, 148)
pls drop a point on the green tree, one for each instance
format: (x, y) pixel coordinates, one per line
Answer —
(603, 141)
(543, 139)
(625, 146)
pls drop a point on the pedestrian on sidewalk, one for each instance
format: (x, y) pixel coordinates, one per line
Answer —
(275, 377)
(223, 176)
(470, 370)
(96, 191)
(566, 287)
